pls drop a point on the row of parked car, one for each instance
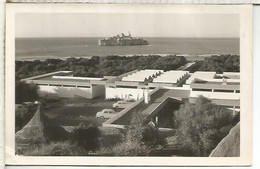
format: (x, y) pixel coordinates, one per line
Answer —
(109, 113)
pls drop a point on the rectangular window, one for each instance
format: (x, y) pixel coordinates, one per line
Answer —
(119, 86)
(227, 106)
(202, 90)
(54, 85)
(237, 91)
(84, 86)
(43, 84)
(68, 86)
(224, 91)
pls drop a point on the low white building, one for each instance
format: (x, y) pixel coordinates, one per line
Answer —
(133, 85)
(221, 91)
(64, 85)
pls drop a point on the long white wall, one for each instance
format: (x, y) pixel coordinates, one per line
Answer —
(98, 90)
(70, 92)
(122, 93)
(216, 95)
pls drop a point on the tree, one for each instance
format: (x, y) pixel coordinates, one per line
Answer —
(222, 63)
(139, 139)
(25, 92)
(152, 138)
(98, 66)
(201, 126)
(87, 137)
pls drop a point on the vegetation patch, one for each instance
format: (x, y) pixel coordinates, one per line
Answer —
(201, 126)
(222, 63)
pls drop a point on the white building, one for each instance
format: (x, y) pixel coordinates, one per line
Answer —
(64, 85)
(221, 90)
(133, 85)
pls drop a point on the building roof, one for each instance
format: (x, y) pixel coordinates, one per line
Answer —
(171, 76)
(232, 75)
(76, 78)
(49, 75)
(63, 78)
(141, 75)
(201, 75)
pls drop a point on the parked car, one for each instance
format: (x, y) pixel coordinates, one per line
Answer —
(123, 103)
(106, 113)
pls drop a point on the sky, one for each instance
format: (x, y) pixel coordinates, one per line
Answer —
(140, 25)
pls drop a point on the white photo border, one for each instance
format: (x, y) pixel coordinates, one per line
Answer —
(245, 12)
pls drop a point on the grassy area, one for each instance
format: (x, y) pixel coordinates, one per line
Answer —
(72, 112)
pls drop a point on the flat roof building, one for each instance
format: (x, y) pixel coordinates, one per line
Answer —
(201, 75)
(223, 89)
(163, 89)
(133, 85)
(225, 92)
(65, 85)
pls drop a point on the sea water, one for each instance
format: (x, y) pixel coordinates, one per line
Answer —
(42, 48)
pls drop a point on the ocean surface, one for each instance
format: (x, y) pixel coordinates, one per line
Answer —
(43, 48)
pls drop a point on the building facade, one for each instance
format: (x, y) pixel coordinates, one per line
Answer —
(63, 84)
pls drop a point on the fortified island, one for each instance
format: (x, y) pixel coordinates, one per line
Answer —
(123, 40)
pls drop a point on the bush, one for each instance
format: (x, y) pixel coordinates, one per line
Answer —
(152, 138)
(139, 139)
(125, 149)
(222, 63)
(25, 92)
(57, 149)
(201, 126)
(87, 137)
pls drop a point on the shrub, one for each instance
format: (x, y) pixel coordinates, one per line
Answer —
(222, 63)
(201, 126)
(152, 138)
(125, 149)
(56, 149)
(139, 139)
(87, 137)
(25, 92)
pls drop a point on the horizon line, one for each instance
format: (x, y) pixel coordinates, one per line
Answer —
(134, 36)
